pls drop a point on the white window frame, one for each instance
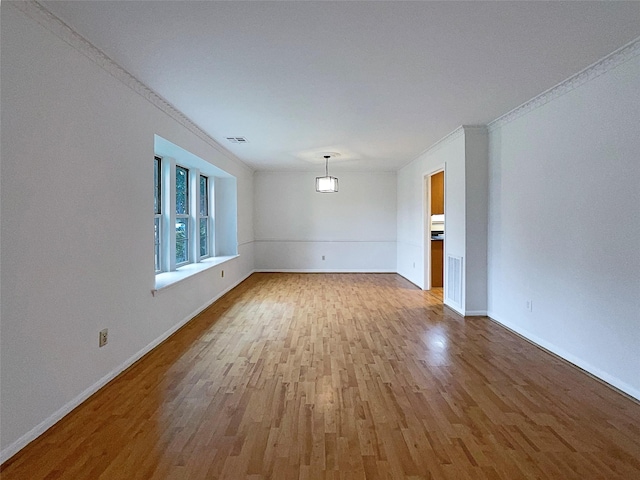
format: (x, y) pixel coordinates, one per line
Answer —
(223, 231)
(186, 217)
(157, 220)
(206, 217)
(168, 216)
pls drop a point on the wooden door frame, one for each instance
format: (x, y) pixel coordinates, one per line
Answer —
(427, 223)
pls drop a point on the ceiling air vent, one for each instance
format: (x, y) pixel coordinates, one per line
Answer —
(237, 139)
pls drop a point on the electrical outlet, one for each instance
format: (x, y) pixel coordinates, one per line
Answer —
(222, 274)
(414, 264)
(322, 257)
(103, 338)
(529, 305)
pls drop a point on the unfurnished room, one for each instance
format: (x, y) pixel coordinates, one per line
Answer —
(345, 240)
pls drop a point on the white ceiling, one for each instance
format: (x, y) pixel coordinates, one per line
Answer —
(378, 82)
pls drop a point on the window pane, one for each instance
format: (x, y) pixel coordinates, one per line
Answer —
(156, 184)
(182, 240)
(204, 235)
(204, 203)
(157, 242)
(182, 191)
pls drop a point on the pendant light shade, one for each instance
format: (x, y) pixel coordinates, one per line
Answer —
(326, 184)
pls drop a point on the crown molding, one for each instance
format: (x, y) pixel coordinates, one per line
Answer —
(478, 129)
(48, 20)
(611, 61)
(451, 136)
(448, 138)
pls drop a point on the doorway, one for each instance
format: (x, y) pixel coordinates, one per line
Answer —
(435, 230)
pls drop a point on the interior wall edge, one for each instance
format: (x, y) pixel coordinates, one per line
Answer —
(444, 141)
(409, 280)
(320, 270)
(475, 313)
(552, 349)
(453, 307)
(63, 411)
(39, 13)
(605, 64)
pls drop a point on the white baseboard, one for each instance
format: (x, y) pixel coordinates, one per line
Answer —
(578, 362)
(409, 280)
(475, 313)
(47, 423)
(319, 270)
(455, 308)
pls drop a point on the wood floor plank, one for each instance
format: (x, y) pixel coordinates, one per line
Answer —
(342, 376)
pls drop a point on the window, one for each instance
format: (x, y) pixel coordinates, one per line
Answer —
(204, 216)
(157, 208)
(188, 237)
(183, 224)
(182, 216)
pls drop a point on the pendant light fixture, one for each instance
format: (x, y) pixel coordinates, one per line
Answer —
(326, 184)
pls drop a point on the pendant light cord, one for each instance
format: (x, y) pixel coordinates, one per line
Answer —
(326, 165)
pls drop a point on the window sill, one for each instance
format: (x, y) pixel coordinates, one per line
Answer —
(166, 280)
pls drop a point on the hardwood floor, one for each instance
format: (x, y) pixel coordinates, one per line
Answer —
(345, 376)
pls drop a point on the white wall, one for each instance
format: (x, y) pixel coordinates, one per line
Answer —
(77, 145)
(449, 152)
(225, 213)
(355, 229)
(476, 218)
(463, 155)
(77, 256)
(564, 227)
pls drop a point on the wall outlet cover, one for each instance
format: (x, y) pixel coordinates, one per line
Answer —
(103, 337)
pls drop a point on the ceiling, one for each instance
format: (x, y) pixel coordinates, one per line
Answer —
(377, 82)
